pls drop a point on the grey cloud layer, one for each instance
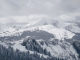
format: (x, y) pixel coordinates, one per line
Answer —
(59, 9)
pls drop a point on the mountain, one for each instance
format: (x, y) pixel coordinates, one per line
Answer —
(74, 27)
(46, 37)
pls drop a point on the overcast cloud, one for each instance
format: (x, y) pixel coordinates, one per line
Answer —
(25, 10)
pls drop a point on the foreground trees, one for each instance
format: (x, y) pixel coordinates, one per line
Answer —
(31, 45)
(10, 54)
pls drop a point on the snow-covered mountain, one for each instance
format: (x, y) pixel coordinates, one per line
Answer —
(74, 27)
(50, 26)
(49, 34)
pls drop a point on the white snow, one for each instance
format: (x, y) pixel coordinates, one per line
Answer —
(17, 45)
(59, 33)
(73, 28)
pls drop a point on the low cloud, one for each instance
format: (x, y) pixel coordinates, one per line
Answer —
(58, 9)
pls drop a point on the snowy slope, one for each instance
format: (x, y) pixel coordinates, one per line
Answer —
(51, 26)
(10, 30)
(59, 33)
(74, 27)
(60, 49)
(56, 48)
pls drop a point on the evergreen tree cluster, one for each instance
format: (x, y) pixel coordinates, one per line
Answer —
(33, 45)
(76, 45)
(11, 54)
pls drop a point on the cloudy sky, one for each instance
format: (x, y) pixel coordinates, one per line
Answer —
(20, 11)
